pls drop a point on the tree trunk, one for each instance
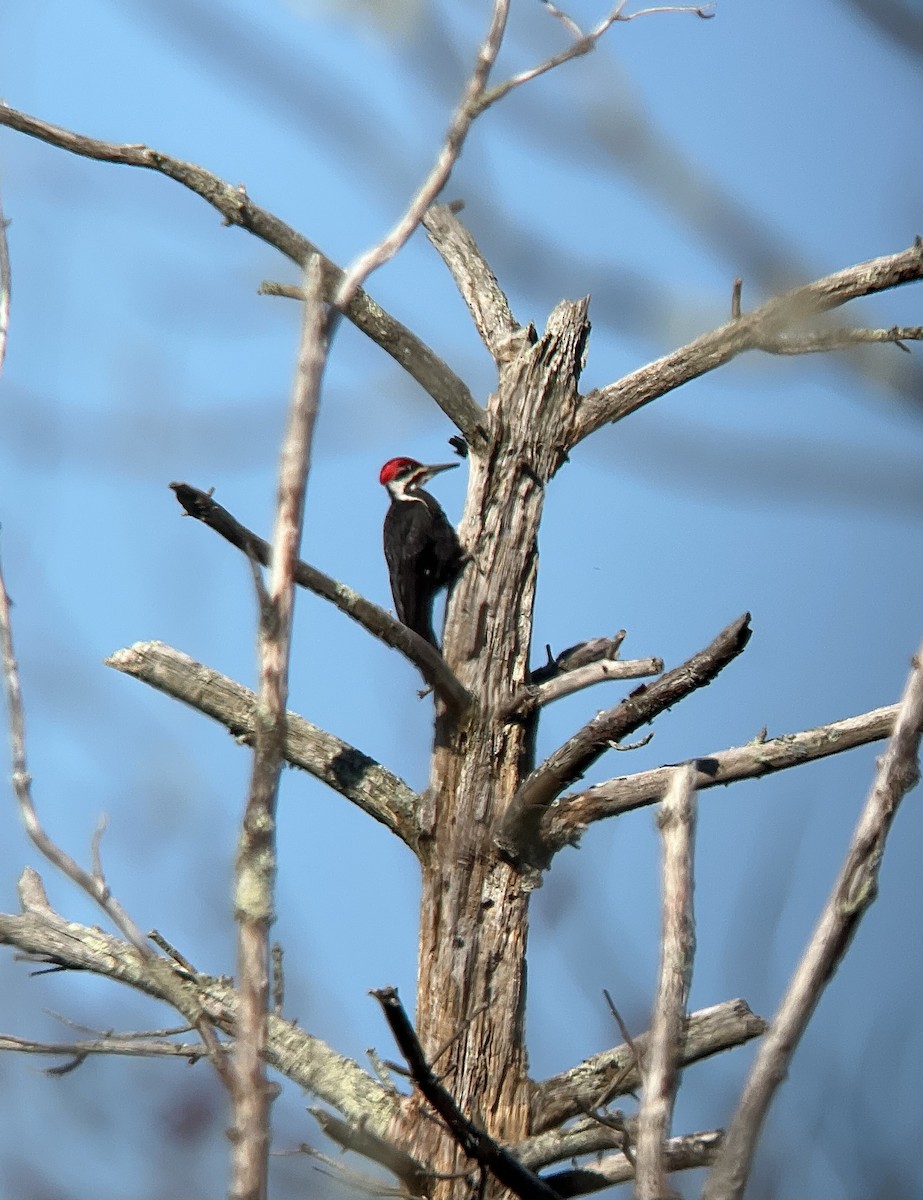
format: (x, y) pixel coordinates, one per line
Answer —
(474, 908)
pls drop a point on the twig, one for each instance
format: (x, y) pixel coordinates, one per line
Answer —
(473, 1141)
(432, 665)
(629, 1040)
(568, 22)
(825, 340)
(254, 899)
(676, 819)
(45, 936)
(358, 1139)
(638, 744)
(338, 764)
(171, 951)
(584, 43)
(120, 1044)
(752, 761)
(520, 834)
(346, 1176)
(94, 884)
(616, 1072)
(129, 1035)
(705, 11)
(853, 892)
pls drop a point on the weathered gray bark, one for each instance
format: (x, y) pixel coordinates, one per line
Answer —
(474, 908)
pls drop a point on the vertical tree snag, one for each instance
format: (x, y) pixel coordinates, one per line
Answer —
(473, 917)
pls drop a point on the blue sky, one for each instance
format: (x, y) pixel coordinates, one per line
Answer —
(778, 144)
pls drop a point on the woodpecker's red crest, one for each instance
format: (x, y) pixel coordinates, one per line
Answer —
(397, 466)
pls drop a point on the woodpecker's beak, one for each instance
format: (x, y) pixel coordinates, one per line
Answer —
(428, 472)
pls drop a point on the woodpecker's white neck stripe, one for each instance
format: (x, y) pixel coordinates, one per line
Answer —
(403, 489)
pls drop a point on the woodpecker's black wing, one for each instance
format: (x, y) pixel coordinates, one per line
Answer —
(423, 555)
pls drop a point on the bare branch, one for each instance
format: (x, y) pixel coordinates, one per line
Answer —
(521, 834)
(46, 937)
(473, 1140)
(705, 11)
(342, 767)
(677, 818)
(432, 665)
(461, 123)
(256, 868)
(600, 1079)
(6, 288)
(680, 1154)
(433, 375)
(568, 22)
(853, 892)
(747, 332)
(760, 757)
(493, 319)
(534, 696)
(824, 340)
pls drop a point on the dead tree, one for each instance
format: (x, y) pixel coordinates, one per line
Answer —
(492, 819)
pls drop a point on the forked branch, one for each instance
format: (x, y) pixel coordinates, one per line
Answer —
(46, 937)
(747, 332)
(762, 756)
(680, 1154)
(462, 119)
(521, 834)
(583, 42)
(355, 1136)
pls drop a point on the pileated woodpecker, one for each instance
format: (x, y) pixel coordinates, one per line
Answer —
(422, 549)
